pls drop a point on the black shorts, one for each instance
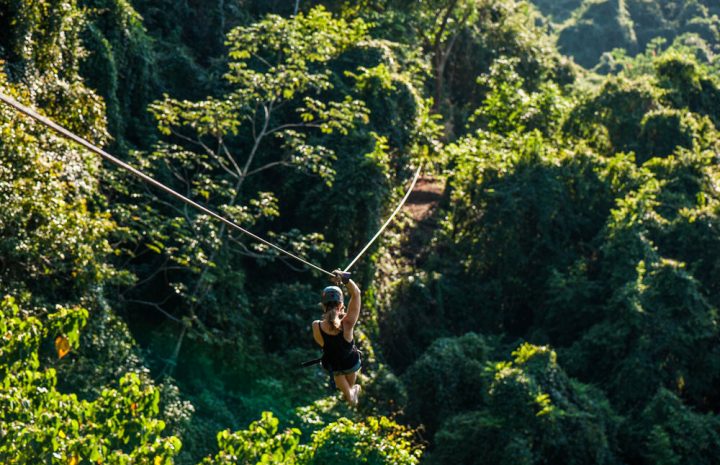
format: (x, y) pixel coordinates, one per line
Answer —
(349, 364)
(352, 369)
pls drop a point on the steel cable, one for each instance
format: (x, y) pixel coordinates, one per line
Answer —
(64, 132)
(61, 130)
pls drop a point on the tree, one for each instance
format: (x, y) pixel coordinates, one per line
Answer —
(463, 37)
(657, 327)
(278, 107)
(687, 85)
(375, 441)
(508, 107)
(521, 208)
(532, 413)
(619, 106)
(665, 131)
(449, 377)
(42, 425)
(123, 66)
(604, 24)
(668, 431)
(440, 25)
(53, 236)
(261, 443)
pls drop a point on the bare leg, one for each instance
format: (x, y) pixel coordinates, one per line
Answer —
(354, 388)
(351, 378)
(342, 383)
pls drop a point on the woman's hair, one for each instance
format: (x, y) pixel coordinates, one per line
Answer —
(331, 315)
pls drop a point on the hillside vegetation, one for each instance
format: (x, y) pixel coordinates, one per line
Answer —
(591, 30)
(550, 298)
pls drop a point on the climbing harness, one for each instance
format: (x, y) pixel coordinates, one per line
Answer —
(312, 362)
(64, 132)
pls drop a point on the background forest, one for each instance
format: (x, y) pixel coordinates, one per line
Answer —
(549, 295)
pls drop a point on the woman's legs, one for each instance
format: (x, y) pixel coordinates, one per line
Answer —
(346, 384)
(354, 388)
(351, 377)
(341, 382)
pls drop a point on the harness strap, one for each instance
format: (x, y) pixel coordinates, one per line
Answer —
(312, 362)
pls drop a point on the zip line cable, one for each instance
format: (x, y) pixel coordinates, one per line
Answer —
(64, 132)
(61, 130)
(397, 209)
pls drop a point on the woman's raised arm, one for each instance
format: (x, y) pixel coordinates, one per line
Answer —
(353, 311)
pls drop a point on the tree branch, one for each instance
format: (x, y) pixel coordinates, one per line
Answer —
(156, 306)
(443, 25)
(295, 125)
(268, 166)
(231, 158)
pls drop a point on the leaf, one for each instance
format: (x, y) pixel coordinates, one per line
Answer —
(73, 460)
(62, 346)
(154, 248)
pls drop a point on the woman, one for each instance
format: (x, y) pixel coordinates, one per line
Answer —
(334, 333)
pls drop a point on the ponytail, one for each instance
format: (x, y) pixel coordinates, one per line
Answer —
(331, 316)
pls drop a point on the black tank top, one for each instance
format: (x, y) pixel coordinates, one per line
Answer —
(338, 354)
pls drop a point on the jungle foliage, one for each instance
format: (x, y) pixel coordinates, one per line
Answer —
(590, 30)
(558, 301)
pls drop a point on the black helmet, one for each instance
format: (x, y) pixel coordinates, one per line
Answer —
(332, 294)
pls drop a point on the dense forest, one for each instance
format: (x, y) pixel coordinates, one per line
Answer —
(547, 295)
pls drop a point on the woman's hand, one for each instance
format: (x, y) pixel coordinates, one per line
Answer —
(340, 276)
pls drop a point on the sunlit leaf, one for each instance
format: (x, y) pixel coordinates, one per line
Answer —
(62, 346)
